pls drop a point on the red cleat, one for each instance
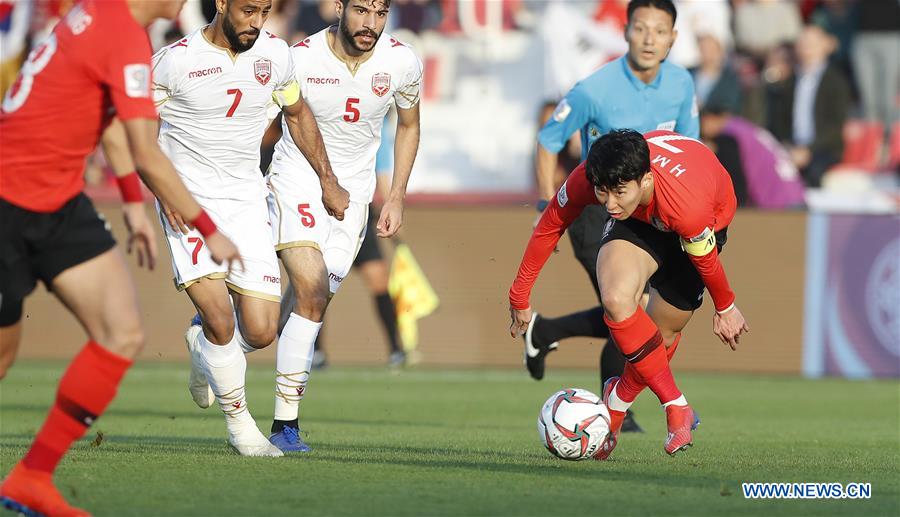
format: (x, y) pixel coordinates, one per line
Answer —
(679, 421)
(31, 493)
(615, 422)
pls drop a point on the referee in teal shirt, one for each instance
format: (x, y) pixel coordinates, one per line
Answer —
(638, 91)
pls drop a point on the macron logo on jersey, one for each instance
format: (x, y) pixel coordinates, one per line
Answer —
(204, 73)
(324, 80)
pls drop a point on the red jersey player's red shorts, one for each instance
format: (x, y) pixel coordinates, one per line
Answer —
(676, 278)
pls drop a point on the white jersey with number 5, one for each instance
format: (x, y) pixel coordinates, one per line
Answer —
(213, 105)
(349, 108)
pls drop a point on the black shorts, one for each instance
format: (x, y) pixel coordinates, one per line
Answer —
(369, 250)
(586, 236)
(676, 279)
(39, 246)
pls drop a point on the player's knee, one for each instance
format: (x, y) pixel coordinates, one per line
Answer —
(618, 303)
(125, 340)
(260, 334)
(219, 327)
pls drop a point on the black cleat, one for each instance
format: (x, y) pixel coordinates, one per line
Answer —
(535, 353)
(630, 425)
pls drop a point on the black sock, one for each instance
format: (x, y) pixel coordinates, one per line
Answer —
(278, 425)
(612, 362)
(587, 323)
(388, 314)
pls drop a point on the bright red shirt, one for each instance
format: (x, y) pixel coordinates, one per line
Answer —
(692, 196)
(94, 65)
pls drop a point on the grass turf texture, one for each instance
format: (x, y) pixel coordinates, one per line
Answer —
(429, 442)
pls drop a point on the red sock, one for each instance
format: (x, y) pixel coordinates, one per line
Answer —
(631, 384)
(87, 387)
(639, 340)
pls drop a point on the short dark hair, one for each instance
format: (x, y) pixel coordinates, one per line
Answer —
(662, 5)
(387, 3)
(616, 158)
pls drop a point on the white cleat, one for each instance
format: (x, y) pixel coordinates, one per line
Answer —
(254, 443)
(197, 384)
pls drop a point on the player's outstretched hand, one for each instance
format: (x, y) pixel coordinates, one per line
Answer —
(335, 198)
(519, 321)
(223, 250)
(391, 219)
(176, 222)
(141, 236)
(729, 327)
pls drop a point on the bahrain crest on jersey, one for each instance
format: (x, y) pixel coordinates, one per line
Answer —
(262, 70)
(381, 84)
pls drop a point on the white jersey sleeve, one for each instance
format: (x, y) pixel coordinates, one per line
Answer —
(407, 93)
(287, 90)
(165, 74)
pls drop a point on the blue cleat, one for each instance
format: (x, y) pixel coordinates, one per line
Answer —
(696, 421)
(288, 440)
(195, 321)
(18, 508)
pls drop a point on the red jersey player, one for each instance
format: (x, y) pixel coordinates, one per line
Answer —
(96, 63)
(670, 203)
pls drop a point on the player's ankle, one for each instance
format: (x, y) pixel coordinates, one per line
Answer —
(279, 425)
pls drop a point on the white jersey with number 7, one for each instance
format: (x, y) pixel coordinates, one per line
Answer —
(349, 107)
(213, 105)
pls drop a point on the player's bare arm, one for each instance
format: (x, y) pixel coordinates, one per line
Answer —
(158, 173)
(304, 131)
(406, 145)
(141, 236)
(546, 168)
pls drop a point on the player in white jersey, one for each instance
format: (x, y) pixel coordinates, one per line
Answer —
(350, 75)
(213, 89)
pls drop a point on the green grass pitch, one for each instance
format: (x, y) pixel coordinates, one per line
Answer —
(464, 442)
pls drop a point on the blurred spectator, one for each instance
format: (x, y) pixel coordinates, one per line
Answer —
(761, 169)
(715, 81)
(310, 17)
(762, 25)
(416, 15)
(14, 24)
(876, 59)
(696, 17)
(574, 46)
(809, 116)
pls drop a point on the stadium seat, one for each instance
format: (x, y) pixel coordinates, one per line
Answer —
(894, 147)
(863, 141)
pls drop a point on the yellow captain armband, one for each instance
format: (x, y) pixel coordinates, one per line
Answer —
(701, 244)
(288, 95)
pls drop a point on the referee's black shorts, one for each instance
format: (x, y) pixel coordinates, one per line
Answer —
(39, 246)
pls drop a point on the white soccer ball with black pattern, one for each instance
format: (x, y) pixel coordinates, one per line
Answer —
(573, 424)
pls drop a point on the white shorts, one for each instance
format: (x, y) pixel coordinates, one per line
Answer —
(246, 224)
(299, 219)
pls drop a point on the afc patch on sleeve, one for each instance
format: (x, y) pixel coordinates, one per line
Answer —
(137, 80)
(562, 111)
(700, 245)
(562, 197)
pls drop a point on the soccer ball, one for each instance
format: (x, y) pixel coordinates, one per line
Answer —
(573, 424)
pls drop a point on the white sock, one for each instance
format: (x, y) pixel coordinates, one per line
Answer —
(293, 360)
(226, 369)
(617, 404)
(680, 401)
(245, 346)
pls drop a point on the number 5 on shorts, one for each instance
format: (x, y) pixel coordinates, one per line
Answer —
(306, 218)
(198, 244)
